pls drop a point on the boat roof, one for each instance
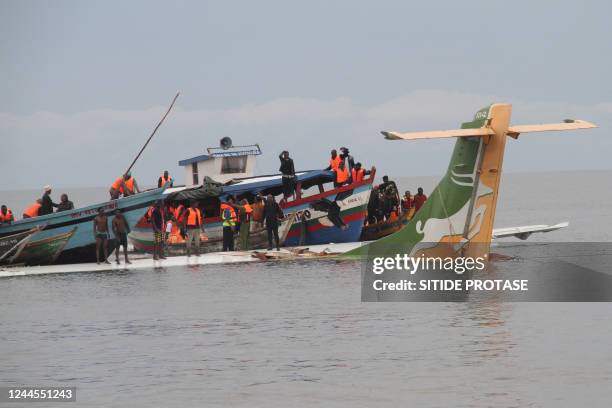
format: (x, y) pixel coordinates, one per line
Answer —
(213, 152)
(266, 184)
(272, 184)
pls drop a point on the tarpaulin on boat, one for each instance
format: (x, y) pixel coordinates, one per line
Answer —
(273, 184)
(209, 188)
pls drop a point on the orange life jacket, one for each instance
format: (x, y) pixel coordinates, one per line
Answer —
(130, 185)
(194, 217)
(335, 163)
(165, 180)
(32, 211)
(117, 184)
(177, 213)
(357, 175)
(7, 217)
(342, 175)
(224, 206)
(393, 216)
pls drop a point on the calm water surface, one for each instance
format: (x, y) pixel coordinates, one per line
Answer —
(295, 334)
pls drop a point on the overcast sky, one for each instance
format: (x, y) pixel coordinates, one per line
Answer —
(83, 83)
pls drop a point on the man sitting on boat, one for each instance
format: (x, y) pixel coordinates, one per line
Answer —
(65, 204)
(125, 185)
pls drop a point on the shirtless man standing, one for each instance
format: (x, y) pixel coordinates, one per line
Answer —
(100, 229)
(120, 229)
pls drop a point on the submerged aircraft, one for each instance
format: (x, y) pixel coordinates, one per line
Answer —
(458, 217)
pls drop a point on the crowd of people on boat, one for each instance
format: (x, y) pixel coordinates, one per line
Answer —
(238, 217)
(346, 171)
(42, 206)
(385, 204)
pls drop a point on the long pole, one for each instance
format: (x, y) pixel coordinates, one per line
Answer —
(152, 134)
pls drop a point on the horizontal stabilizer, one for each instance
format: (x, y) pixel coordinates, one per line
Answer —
(514, 131)
(437, 134)
(524, 232)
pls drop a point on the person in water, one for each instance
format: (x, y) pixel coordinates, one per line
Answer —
(100, 230)
(121, 229)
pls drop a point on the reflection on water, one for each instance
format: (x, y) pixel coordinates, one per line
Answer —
(281, 334)
(263, 334)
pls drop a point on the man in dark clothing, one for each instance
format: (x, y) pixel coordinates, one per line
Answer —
(159, 227)
(47, 204)
(272, 215)
(65, 204)
(288, 171)
(121, 229)
(345, 155)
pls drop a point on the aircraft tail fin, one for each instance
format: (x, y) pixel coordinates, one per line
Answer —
(460, 211)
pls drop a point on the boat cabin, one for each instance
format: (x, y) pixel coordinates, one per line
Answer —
(222, 163)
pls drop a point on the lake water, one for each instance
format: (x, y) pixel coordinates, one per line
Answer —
(296, 334)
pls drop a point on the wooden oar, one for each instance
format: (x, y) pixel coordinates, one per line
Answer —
(152, 134)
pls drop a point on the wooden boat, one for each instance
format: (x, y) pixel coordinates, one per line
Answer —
(320, 216)
(44, 251)
(77, 227)
(12, 245)
(258, 238)
(372, 232)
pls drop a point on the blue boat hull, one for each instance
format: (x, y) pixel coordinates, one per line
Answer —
(81, 246)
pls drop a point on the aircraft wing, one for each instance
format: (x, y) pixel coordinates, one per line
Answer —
(524, 232)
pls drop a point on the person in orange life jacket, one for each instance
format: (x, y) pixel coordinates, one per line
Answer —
(358, 174)
(258, 216)
(407, 202)
(419, 199)
(342, 175)
(194, 225)
(287, 170)
(6, 215)
(159, 228)
(334, 162)
(33, 210)
(228, 215)
(125, 185)
(165, 180)
(179, 217)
